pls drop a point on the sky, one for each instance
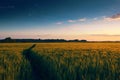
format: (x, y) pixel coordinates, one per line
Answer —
(93, 20)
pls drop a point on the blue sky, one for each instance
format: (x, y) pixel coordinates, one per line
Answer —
(68, 19)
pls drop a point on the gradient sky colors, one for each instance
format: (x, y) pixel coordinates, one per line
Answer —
(66, 19)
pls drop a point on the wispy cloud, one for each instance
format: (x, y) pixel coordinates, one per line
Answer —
(59, 23)
(107, 35)
(82, 19)
(77, 20)
(115, 17)
(95, 18)
(71, 21)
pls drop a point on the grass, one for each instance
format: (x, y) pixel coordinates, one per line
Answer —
(60, 61)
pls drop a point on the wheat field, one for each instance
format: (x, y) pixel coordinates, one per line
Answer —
(60, 61)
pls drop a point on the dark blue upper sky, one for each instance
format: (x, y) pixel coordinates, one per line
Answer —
(45, 11)
(15, 14)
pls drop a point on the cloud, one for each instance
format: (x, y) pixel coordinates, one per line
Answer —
(71, 21)
(82, 19)
(59, 23)
(95, 18)
(107, 35)
(115, 17)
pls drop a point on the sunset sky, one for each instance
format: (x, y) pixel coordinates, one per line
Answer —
(94, 20)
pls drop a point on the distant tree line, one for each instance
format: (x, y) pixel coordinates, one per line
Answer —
(10, 40)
